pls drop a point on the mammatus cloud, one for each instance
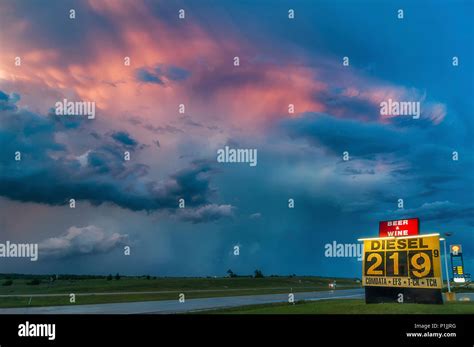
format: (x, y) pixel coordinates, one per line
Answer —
(206, 213)
(82, 241)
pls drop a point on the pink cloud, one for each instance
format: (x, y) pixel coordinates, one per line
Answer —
(248, 96)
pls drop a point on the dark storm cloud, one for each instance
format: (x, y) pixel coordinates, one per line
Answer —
(175, 73)
(26, 132)
(64, 123)
(49, 174)
(167, 129)
(160, 73)
(148, 77)
(124, 138)
(339, 135)
(338, 103)
(192, 183)
(439, 211)
(7, 102)
(419, 159)
(426, 149)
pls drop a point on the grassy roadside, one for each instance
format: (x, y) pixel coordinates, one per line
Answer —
(349, 306)
(161, 288)
(117, 298)
(133, 284)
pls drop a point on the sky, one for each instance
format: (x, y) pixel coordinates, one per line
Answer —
(190, 61)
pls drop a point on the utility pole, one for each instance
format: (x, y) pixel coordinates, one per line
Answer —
(446, 259)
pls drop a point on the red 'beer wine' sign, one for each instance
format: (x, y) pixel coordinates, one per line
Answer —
(400, 227)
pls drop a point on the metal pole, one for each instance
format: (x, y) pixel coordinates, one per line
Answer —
(446, 265)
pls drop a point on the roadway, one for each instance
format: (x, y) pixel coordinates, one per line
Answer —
(196, 305)
(190, 305)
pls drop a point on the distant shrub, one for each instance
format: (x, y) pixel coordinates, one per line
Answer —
(7, 283)
(231, 273)
(34, 282)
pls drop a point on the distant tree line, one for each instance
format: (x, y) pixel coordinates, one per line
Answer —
(256, 274)
(15, 276)
(9, 278)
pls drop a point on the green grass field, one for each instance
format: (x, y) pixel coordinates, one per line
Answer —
(20, 286)
(129, 289)
(349, 306)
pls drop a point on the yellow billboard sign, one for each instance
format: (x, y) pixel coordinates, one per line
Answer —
(405, 262)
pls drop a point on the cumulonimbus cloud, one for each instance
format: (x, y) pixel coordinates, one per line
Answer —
(48, 173)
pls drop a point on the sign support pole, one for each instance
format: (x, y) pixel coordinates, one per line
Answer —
(446, 265)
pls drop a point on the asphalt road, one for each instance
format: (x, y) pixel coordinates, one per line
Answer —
(174, 306)
(196, 305)
(45, 295)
